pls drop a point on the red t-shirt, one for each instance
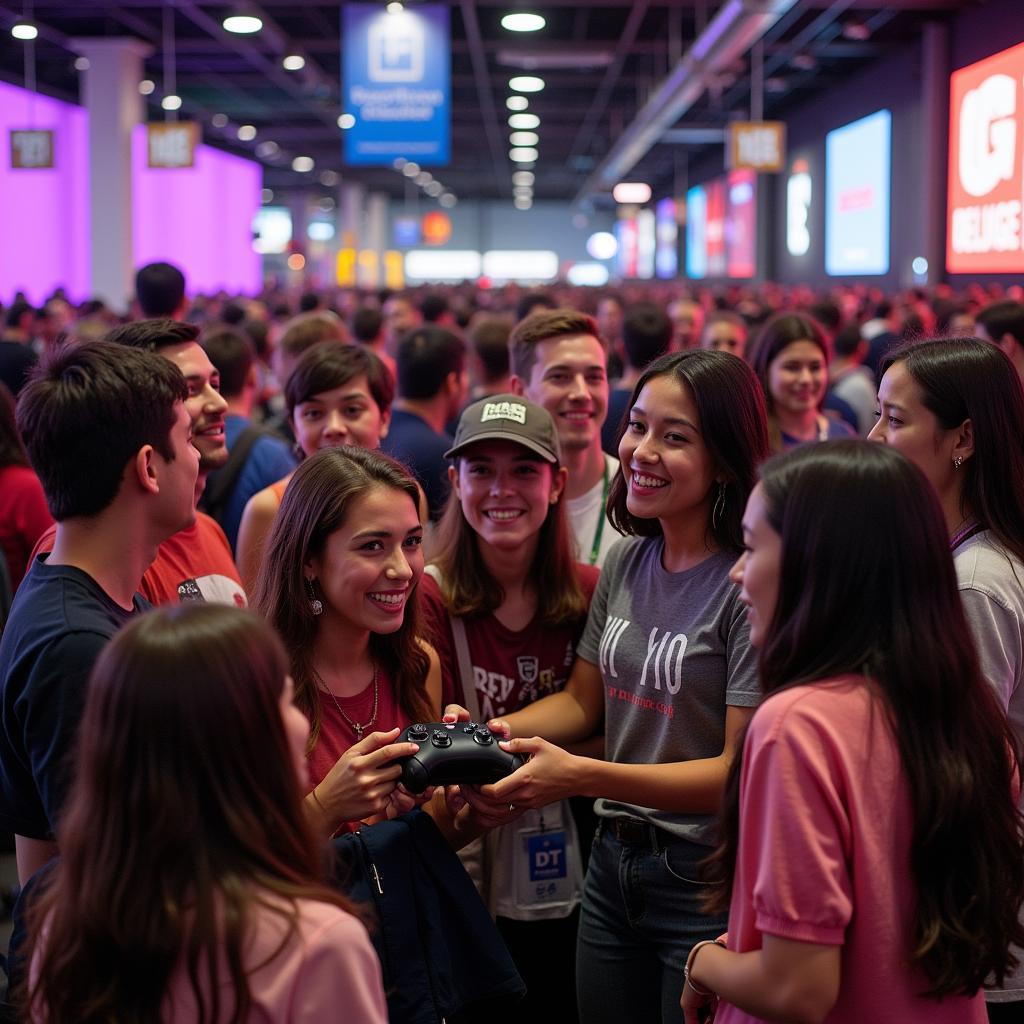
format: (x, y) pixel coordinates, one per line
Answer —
(23, 517)
(193, 565)
(511, 668)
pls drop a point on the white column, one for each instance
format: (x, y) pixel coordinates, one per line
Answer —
(111, 93)
(377, 207)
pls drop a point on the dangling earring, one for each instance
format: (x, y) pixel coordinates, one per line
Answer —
(316, 606)
(958, 461)
(719, 507)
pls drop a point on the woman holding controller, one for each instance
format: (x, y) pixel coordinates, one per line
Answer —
(666, 662)
(871, 850)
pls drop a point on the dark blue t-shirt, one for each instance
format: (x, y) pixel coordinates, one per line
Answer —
(60, 621)
(618, 403)
(412, 440)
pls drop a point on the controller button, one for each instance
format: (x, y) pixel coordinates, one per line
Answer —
(440, 738)
(469, 729)
(417, 733)
(483, 737)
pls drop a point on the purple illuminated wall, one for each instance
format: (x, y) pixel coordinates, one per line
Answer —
(199, 219)
(44, 214)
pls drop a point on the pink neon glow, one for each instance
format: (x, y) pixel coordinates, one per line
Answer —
(44, 214)
(199, 218)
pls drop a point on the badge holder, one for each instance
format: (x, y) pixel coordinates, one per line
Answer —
(542, 866)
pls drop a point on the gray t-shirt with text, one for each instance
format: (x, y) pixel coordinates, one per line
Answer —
(674, 650)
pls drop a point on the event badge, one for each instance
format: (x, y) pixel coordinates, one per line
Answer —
(542, 872)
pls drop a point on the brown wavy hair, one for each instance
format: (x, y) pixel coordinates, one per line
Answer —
(867, 588)
(183, 822)
(315, 504)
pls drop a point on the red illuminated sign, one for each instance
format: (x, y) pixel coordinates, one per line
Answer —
(986, 166)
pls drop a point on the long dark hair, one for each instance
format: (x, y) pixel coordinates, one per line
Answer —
(964, 378)
(731, 408)
(184, 818)
(315, 504)
(867, 587)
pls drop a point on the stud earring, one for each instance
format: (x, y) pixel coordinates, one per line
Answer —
(719, 507)
(316, 606)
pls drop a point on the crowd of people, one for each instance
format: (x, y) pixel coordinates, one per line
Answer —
(740, 574)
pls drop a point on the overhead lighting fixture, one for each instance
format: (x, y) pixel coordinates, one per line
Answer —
(517, 103)
(522, 190)
(526, 83)
(434, 189)
(242, 23)
(411, 169)
(424, 178)
(602, 245)
(631, 192)
(218, 120)
(81, 63)
(302, 164)
(399, 162)
(146, 86)
(520, 21)
(395, 7)
(522, 178)
(524, 138)
(246, 132)
(329, 179)
(346, 121)
(523, 155)
(293, 62)
(524, 121)
(448, 200)
(856, 30)
(171, 102)
(267, 149)
(24, 30)
(267, 195)
(522, 202)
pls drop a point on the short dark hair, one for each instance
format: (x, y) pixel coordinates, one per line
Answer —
(1003, 318)
(309, 301)
(425, 358)
(734, 427)
(309, 329)
(16, 311)
(847, 340)
(86, 412)
(828, 314)
(160, 289)
(646, 334)
(538, 327)
(367, 322)
(12, 451)
(433, 306)
(488, 338)
(532, 302)
(152, 335)
(332, 364)
(232, 353)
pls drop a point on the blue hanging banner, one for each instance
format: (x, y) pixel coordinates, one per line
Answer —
(396, 83)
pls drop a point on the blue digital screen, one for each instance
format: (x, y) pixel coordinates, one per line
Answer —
(696, 233)
(858, 168)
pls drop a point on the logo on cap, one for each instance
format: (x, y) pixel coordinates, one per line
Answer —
(504, 411)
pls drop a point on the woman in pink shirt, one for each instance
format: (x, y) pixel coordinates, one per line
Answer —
(189, 885)
(871, 849)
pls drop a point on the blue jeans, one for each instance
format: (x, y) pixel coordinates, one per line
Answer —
(641, 915)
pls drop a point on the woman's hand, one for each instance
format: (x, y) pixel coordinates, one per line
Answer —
(363, 778)
(455, 713)
(401, 801)
(697, 1008)
(550, 774)
(482, 813)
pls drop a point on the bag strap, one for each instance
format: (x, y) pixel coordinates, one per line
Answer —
(470, 701)
(222, 482)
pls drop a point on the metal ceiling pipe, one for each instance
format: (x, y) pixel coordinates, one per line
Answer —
(732, 31)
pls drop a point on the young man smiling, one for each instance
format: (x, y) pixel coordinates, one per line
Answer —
(559, 361)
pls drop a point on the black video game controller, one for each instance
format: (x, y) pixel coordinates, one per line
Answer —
(454, 752)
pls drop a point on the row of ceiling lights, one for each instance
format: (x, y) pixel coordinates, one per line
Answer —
(426, 181)
(524, 124)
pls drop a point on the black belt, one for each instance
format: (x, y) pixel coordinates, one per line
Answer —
(635, 832)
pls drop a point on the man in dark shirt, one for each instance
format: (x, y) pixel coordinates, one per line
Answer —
(432, 387)
(16, 355)
(107, 432)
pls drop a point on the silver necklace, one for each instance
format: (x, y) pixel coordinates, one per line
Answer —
(356, 727)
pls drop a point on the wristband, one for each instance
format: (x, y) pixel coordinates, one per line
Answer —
(688, 966)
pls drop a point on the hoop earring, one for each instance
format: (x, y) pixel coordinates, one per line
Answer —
(958, 461)
(719, 507)
(316, 606)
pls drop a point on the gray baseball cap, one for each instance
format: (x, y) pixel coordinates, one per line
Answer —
(507, 418)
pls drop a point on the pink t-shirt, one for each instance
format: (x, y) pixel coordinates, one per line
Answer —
(824, 854)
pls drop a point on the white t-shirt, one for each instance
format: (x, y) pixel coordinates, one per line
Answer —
(585, 519)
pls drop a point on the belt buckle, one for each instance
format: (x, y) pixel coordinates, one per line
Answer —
(632, 832)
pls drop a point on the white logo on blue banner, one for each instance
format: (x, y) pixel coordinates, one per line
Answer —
(397, 84)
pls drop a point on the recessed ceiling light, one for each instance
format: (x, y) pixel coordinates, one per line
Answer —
(395, 7)
(522, 155)
(346, 121)
(434, 189)
(411, 169)
(522, 202)
(293, 62)
(520, 21)
(524, 138)
(517, 103)
(631, 192)
(171, 102)
(268, 148)
(448, 200)
(527, 121)
(267, 195)
(522, 190)
(24, 30)
(81, 63)
(246, 132)
(526, 83)
(330, 178)
(242, 23)
(424, 178)
(146, 86)
(302, 164)
(399, 163)
(218, 120)
(522, 178)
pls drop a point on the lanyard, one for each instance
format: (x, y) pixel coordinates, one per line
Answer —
(602, 515)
